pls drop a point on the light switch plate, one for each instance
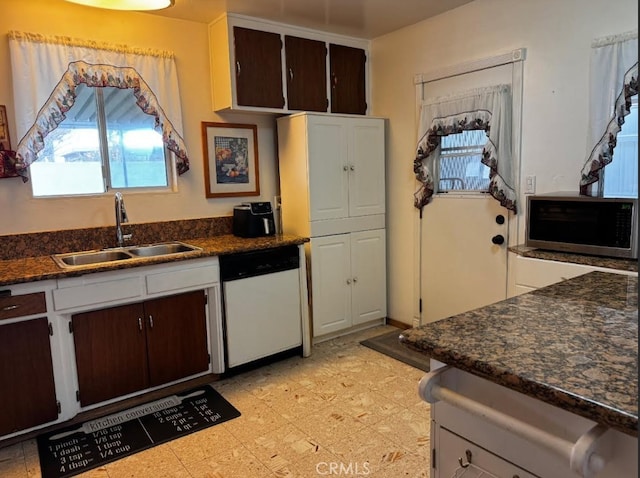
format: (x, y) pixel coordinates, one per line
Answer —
(530, 185)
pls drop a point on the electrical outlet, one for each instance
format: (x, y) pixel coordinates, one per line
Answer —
(277, 202)
(530, 185)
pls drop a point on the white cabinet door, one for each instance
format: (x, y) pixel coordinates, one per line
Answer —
(346, 167)
(368, 267)
(330, 291)
(328, 168)
(366, 167)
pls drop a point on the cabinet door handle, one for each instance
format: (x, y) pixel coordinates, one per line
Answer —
(10, 307)
(140, 323)
(238, 68)
(151, 321)
(290, 73)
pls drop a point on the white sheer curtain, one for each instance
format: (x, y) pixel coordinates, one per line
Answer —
(487, 109)
(47, 69)
(613, 81)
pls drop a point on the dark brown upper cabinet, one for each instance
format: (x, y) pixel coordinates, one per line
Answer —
(258, 68)
(306, 74)
(347, 79)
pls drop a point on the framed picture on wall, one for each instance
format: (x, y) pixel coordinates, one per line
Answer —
(230, 159)
(5, 141)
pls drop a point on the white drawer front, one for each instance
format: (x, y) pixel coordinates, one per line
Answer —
(97, 292)
(453, 447)
(183, 279)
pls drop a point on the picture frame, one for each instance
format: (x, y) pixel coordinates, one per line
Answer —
(5, 140)
(230, 152)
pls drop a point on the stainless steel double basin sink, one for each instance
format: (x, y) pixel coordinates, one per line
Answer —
(109, 256)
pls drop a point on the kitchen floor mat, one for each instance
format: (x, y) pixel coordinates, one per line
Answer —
(388, 344)
(79, 448)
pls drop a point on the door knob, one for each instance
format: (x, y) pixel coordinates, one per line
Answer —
(500, 219)
(498, 239)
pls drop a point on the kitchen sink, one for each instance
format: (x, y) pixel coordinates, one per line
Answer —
(90, 257)
(132, 253)
(161, 249)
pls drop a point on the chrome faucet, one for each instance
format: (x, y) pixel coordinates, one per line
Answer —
(121, 217)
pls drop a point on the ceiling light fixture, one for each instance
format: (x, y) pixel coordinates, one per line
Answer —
(126, 4)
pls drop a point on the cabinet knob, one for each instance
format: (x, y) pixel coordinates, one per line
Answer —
(348, 281)
(498, 239)
(355, 279)
(345, 168)
(352, 167)
(499, 219)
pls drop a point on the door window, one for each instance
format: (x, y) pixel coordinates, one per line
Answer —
(459, 164)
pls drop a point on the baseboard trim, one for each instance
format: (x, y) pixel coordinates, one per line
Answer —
(397, 323)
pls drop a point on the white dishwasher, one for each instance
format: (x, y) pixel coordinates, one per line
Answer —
(262, 306)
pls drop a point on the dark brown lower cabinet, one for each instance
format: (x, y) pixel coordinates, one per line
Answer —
(28, 396)
(128, 348)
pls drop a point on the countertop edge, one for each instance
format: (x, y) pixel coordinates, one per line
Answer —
(41, 268)
(585, 408)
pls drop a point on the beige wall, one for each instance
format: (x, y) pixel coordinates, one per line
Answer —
(19, 212)
(557, 35)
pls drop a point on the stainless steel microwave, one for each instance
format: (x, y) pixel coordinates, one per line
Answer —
(568, 222)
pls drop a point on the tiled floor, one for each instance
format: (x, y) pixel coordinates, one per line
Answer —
(345, 411)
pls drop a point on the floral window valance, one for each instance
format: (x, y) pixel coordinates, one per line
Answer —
(613, 81)
(47, 70)
(487, 109)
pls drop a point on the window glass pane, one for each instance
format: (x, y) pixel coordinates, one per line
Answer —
(136, 150)
(70, 162)
(459, 167)
(621, 175)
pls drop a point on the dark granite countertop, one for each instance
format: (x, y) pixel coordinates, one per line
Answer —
(573, 344)
(584, 259)
(30, 269)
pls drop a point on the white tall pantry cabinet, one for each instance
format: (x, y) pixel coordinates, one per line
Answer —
(332, 188)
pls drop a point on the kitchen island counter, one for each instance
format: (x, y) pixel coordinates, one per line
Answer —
(573, 345)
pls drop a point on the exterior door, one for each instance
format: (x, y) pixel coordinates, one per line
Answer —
(462, 268)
